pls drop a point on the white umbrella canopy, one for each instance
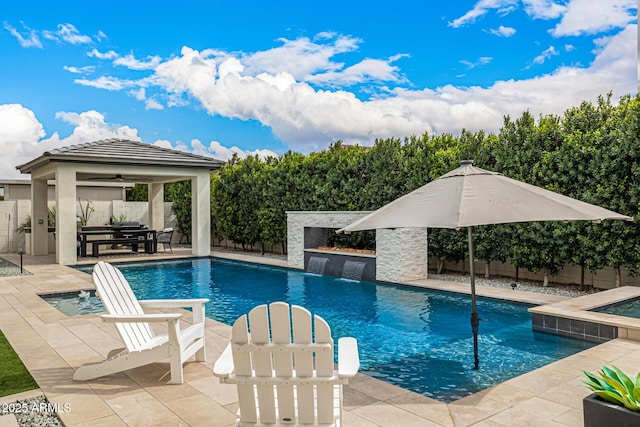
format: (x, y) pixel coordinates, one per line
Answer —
(470, 196)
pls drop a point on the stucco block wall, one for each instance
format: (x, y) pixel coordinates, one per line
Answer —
(8, 226)
(13, 213)
(22, 191)
(569, 274)
(101, 212)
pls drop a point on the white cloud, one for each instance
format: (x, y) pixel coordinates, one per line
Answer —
(308, 119)
(215, 149)
(609, 14)
(94, 53)
(569, 48)
(298, 114)
(20, 132)
(368, 70)
(139, 94)
(67, 33)
(301, 57)
(484, 60)
(18, 125)
(546, 54)
(132, 63)
(502, 31)
(543, 9)
(21, 135)
(90, 126)
(22, 138)
(30, 40)
(617, 55)
(88, 69)
(576, 16)
(164, 143)
(218, 151)
(107, 82)
(152, 104)
(179, 145)
(100, 36)
(481, 8)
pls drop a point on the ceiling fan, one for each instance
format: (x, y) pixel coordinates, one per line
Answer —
(117, 178)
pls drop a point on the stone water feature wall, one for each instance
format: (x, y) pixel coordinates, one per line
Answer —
(401, 254)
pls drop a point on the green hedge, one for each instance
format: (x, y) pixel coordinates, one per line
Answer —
(591, 152)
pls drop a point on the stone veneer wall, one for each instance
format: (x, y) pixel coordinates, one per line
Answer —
(297, 221)
(401, 254)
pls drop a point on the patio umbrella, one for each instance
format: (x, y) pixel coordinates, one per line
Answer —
(470, 196)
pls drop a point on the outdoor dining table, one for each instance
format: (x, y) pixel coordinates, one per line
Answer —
(120, 235)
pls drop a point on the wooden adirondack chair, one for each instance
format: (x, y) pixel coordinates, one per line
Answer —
(143, 346)
(284, 367)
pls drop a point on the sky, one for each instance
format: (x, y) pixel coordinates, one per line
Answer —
(217, 77)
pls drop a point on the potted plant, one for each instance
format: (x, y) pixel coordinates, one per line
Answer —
(615, 400)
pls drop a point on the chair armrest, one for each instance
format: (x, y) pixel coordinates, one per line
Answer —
(173, 303)
(348, 358)
(224, 365)
(140, 318)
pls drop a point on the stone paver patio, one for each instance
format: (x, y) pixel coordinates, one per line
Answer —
(52, 345)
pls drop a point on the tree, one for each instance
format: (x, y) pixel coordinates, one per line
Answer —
(179, 194)
(492, 243)
(138, 193)
(281, 192)
(238, 198)
(448, 245)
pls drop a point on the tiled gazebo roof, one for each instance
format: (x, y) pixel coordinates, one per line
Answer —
(122, 152)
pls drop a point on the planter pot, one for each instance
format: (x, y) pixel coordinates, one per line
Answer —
(600, 413)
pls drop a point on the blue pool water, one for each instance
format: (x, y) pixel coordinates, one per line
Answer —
(417, 339)
(629, 308)
(71, 304)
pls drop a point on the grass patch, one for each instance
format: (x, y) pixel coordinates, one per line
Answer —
(14, 377)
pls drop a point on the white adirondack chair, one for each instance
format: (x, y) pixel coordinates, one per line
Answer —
(143, 346)
(284, 376)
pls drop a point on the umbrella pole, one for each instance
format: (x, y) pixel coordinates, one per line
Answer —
(475, 320)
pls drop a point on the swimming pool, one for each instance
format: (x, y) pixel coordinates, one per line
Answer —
(628, 308)
(414, 338)
(73, 304)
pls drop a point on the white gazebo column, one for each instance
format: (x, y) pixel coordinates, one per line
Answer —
(201, 214)
(156, 206)
(39, 217)
(66, 224)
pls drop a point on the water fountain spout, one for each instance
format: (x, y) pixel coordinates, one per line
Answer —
(352, 270)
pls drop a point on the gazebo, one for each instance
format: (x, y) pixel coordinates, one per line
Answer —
(115, 160)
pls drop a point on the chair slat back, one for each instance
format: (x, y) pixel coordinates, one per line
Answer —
(324, 367)
(118, 298)
(283, 361)
(267, 367)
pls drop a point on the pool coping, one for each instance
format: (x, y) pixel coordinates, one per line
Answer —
(580, 320)
(52, 345)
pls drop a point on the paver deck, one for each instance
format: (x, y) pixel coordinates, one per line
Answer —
(53, 345)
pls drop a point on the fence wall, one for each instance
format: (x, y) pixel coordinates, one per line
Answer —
(569, 274)
(14, 213)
